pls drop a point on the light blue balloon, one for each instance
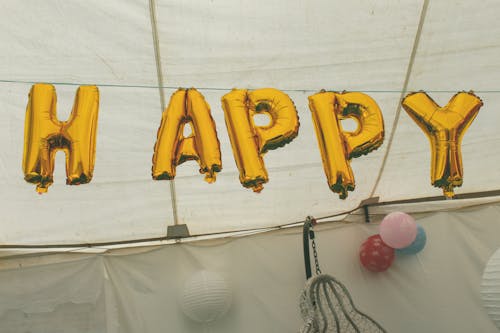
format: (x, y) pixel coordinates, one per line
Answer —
(417, 245)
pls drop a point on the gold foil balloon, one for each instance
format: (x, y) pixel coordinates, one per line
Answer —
(249, 141)
(338, 147)
(44, 135)
(445, 127)
(187, 106)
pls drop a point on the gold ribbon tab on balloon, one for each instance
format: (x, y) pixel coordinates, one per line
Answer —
(250, 141)
(337, 146)
(187, 106)
(44, 135)
(445, 128)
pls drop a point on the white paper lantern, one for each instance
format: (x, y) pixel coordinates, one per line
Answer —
(206, 297)
(490, 288)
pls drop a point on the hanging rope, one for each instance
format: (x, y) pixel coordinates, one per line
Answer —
(423, 14)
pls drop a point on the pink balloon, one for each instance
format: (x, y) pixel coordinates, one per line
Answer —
(398, 230)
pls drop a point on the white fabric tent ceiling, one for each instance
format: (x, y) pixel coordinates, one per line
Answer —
(297, 46)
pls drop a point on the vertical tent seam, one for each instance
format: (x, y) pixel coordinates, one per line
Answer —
(416, 41)
(159, 74)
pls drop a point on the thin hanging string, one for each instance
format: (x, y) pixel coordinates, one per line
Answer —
(164, 87)
(403, 93)
(159, 74)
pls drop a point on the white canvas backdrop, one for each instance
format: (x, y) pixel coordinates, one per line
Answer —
(296, 46)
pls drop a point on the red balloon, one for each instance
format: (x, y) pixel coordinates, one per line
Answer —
(375, 255)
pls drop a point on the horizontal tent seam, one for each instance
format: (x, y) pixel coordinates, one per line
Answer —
(372, 202)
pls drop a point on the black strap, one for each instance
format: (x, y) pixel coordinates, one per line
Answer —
(305, 235)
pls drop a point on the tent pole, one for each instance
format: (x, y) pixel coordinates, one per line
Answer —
(409, 69)
(177, 230)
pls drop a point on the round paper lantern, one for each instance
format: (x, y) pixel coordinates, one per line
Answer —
(417, 245)
(398, 230)
(206, 297)
(490, 288)
(375, 255)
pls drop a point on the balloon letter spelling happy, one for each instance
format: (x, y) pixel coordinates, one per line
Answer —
(338, 147)
(249, 141)
(187, 106)
(44, 134)
(445, 128)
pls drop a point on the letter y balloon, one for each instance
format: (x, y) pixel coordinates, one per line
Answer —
(445, 128)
